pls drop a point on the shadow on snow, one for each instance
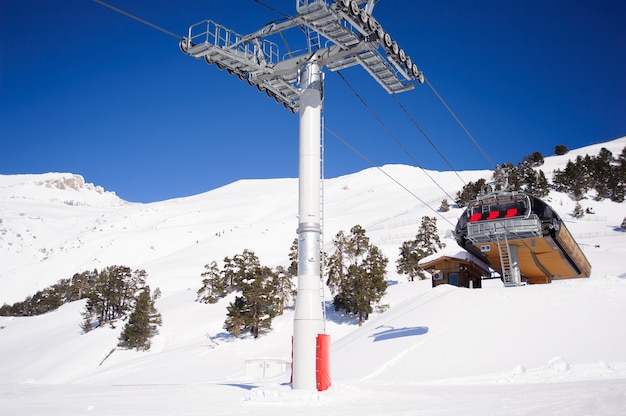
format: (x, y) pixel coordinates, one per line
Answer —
(388, 332)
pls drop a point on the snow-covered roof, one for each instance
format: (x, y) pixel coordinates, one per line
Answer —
(455, 252)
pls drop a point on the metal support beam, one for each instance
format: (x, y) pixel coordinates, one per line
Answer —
(309, 318)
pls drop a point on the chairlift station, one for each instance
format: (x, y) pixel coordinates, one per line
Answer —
(339, 34)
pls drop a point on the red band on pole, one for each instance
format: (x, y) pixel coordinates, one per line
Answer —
(323, 362)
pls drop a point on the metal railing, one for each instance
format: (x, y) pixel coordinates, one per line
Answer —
(207, 32)
(483, 231)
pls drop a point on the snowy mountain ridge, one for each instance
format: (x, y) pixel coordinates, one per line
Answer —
(57, 221)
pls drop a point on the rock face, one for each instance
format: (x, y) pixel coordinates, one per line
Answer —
(76, 182)
(67, 188)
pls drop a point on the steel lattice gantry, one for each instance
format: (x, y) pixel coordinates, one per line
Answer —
(341, 34)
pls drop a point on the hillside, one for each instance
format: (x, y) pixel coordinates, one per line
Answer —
(444, 351)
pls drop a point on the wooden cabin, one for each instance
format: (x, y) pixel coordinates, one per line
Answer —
(460, 269)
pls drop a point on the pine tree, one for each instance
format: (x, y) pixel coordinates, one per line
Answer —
(253, 311)
(83, 282)
(356, 273)
(533, 180)
(293, 258)
(543, 187)
(507, 177)
(370, 285)
(471, 190)
(228, 274)
(245, 266)
(560, 149)
(426, 242)
(142, 323)
(235, 321)
(585, 166)
(337, 267)
(408, 261)
(427, 237)
(573, 179)
(213, 285)
(262, 301)
(578, 211)
(528, 177)
(534, 159)
(445, 206)
(284, 289)
(87, 318)
(602, 174)
(618, 184)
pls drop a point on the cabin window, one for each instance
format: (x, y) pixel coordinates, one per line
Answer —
(453, 278)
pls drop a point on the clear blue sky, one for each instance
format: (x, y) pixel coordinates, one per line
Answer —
(86, 90)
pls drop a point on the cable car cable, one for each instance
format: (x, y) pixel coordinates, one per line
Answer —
(406, 112)
(272, 9)
(368, 108)
(145, 22)
(459, 122)
(355, 150)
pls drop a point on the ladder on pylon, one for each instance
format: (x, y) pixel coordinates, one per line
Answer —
(505, 260)
(313, 40)
(322, 254)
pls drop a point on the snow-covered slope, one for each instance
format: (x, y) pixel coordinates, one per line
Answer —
(445, 351)
(50, 230)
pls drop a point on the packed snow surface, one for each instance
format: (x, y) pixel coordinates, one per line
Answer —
(557, 349)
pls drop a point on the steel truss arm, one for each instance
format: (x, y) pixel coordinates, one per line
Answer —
(353, 37)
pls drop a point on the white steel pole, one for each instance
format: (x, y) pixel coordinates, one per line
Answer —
(309, 319)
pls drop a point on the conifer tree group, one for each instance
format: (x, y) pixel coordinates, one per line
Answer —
(261, 292)
(356, 276)
(113, 295)
(119, 293)
(604, 173)
(356, 273)
(54, 296)
(471, 190)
